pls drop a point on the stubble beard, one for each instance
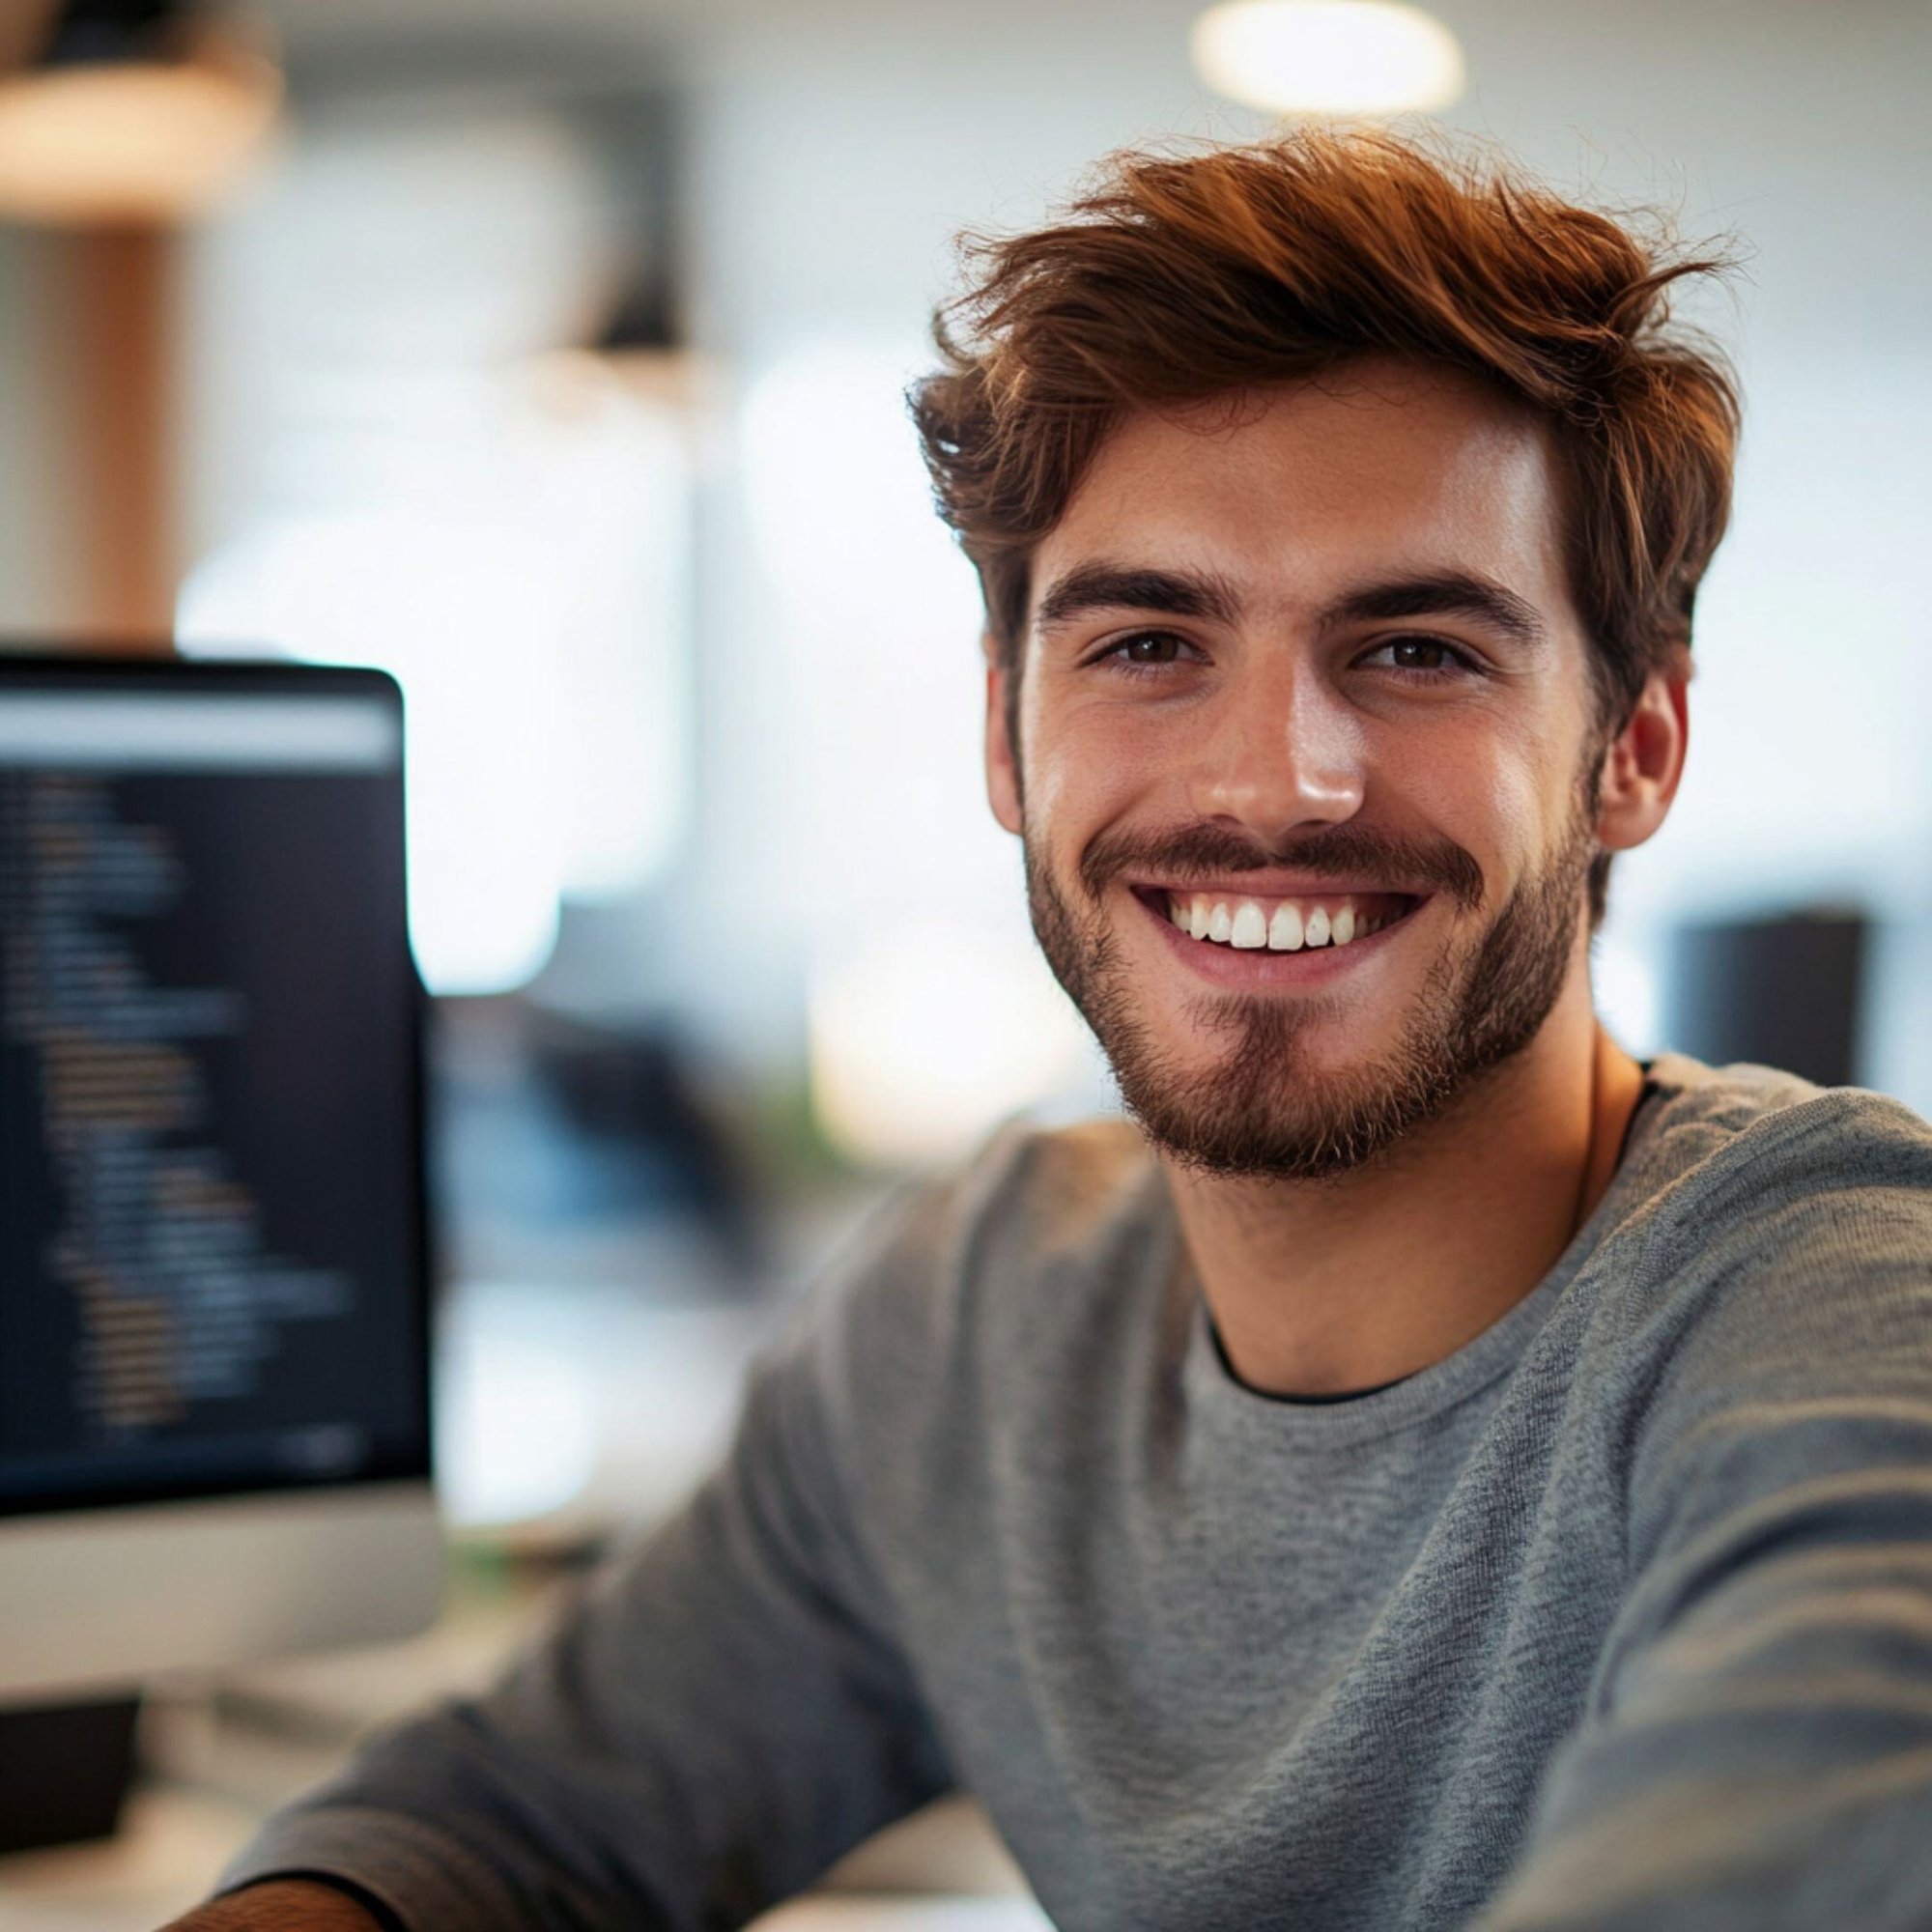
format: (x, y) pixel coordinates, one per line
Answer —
(1260, 1111)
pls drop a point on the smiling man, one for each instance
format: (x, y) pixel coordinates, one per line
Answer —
(1422, 1468)
(1318, 775)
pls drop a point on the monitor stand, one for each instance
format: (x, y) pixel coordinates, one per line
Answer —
(63, 1771)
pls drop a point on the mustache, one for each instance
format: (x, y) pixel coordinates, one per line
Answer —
(1354, 851)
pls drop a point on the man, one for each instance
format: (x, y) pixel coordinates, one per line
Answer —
(1424, 1469)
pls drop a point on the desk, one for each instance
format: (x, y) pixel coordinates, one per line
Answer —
(174, 1842)
(170, 1847)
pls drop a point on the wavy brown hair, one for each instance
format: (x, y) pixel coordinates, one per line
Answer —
(1178, 278)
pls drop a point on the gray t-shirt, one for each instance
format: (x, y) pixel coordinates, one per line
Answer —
(1619, 1616)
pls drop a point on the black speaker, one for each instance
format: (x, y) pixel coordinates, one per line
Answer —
(63, 1771)
(1786, 992)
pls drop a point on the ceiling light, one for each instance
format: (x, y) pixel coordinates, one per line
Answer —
(1327, 56)
(132, 112)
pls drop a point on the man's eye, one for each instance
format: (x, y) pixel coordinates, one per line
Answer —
(1424, 658)
(1145, 650)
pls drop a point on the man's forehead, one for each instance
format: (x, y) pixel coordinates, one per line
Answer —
(1297, 487)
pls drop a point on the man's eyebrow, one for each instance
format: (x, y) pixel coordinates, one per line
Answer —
(1441, 594)
(1113, 586)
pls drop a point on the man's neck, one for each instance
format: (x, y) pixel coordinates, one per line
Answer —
(1322, 1288)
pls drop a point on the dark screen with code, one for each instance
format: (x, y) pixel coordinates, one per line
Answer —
(212, 1268)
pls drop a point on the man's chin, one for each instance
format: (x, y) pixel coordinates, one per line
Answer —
(1305, 1047)
(1320, 1131)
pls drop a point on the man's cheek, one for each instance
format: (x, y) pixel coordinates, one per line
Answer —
(1052, 790)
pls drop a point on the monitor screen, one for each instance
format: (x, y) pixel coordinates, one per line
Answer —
(213, 1252)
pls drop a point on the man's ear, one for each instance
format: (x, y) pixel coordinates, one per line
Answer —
(1643, 764)
(1003, 779)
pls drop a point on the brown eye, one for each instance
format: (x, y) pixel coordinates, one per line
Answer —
(1143, 651)
(1425, 660)
(1419, 653)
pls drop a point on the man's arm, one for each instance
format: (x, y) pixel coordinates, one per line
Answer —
(1757, 1751)
(715, 1720)
(281, 1905)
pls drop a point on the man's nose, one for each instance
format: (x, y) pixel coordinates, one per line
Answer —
(1280, 753)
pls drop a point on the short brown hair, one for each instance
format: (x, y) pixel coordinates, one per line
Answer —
(1178, 278)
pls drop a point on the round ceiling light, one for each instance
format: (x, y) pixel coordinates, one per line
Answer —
(1328, 56)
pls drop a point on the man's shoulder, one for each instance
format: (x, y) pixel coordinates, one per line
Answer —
(965, 1292)
(1769, 1300)
(1770, 1220)
(1033, 1217)
(1740, 1151)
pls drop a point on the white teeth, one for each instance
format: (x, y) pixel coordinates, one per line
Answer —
(1250, 927)
(1285, 932)
(1246, 924)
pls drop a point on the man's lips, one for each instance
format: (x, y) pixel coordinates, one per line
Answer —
(1252, 967)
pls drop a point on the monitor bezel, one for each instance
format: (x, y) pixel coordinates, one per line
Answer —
(39, 666)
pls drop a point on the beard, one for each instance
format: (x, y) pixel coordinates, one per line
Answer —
(1263, 1110)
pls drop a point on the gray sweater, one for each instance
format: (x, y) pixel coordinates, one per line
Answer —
(1619, 1616)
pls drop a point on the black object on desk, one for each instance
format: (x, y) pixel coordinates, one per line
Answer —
(64, 1772)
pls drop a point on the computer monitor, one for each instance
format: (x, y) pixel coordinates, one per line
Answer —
(215, 1417)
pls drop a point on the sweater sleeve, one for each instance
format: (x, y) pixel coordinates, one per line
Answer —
(1756, 1752)
(717, 1716)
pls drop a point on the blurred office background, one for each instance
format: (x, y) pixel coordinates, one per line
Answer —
(552, 357)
